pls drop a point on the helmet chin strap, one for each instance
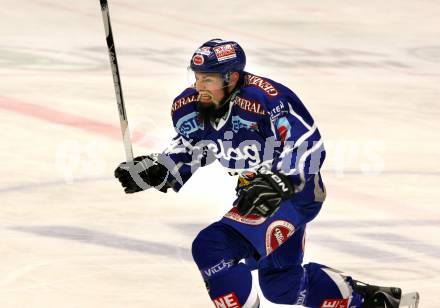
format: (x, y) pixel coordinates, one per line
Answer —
(226, 92)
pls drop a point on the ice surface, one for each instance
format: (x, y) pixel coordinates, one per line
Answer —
(369, 71)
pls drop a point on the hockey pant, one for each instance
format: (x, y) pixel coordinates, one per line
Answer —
(218, 249)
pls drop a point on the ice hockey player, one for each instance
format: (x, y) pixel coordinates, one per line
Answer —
(259, 130)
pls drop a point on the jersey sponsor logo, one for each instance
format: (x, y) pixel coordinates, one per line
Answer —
(213, 270)
(264, 85)
(198, 60)
(247, 105)
(227, 301)
(225, 52)
(283, 128)
(301, 298)
(277, 111)
(250, 219)
(238, 123)
(335, 303)
(189, 124)
(277, 233)
(183, 101)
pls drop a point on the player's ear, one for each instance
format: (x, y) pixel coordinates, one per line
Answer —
(234, 77)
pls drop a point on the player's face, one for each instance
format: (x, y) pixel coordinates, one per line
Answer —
(210, 87)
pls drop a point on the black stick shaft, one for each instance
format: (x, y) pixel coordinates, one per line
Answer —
(117, 81)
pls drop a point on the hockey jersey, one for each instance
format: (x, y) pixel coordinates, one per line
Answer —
(266, 127)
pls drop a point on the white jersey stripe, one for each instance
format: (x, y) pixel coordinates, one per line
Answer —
(298, 117)
(339, 280)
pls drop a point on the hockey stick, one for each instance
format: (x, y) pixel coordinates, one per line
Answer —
(117, 81)
(410, 300)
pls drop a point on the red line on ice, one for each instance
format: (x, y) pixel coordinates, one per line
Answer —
(58, 117)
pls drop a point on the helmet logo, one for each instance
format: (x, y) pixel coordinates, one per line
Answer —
(204, 51)
(225, 52)
(198, 60)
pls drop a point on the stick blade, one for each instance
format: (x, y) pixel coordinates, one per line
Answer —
(409, 300)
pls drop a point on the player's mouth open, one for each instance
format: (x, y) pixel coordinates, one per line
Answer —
(205, 97)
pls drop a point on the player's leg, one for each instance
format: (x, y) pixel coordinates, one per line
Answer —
(327, 287)
(317, 286)
(216, 251)
(282, 278)
(284, 281)
(310, 286)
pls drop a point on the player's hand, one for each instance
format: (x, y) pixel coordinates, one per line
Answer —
(264, 194)
(141, 174)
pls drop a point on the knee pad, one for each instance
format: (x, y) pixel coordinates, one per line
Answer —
(233, 288)
(217, 250)
(219, 242)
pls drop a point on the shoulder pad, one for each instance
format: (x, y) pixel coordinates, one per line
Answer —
(189, 95)
(263, 85)
(270, 95)
(184, 113)
(250, 104)
(277, 99)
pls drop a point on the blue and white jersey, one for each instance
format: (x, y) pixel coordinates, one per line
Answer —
(266, 126)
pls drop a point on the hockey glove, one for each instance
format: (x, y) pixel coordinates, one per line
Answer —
(144, 172)
(264, 194)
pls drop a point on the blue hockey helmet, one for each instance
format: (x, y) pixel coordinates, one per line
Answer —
(218, 56)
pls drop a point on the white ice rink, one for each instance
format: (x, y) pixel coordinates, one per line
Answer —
(369, 72)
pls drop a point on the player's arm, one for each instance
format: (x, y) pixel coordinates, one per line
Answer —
(302, 152)
(144, 172)
(184, 157)
(295, 169)
(170, 169)
(173, 167)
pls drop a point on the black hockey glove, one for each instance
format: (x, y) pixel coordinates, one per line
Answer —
(143, 173)
(264, 194)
